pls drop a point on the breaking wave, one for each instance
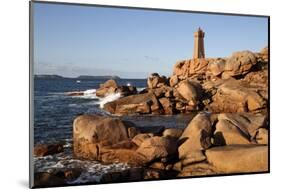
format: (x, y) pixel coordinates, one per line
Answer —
(91, 94)
(109, 98)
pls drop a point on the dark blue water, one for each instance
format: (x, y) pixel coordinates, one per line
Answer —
(54, 111)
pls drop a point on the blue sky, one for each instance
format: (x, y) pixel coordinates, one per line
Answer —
(72, 40)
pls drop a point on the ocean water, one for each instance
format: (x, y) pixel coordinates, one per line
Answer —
(54, 113)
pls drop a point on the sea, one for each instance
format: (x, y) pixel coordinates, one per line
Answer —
(54, 113)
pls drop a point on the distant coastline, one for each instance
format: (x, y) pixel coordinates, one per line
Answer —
(53, 76)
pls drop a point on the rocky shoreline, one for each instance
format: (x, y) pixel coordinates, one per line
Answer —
(229, 133)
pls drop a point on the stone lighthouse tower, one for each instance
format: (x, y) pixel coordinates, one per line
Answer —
(199, 51)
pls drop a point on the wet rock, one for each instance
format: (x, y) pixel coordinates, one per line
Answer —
(75, 93)
(152, 174)
(45, 179)
(111, 177)
(71, 174)
(47, 149)
(135, 174)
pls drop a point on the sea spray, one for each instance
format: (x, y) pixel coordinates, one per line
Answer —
(109, 98)
(90, 92)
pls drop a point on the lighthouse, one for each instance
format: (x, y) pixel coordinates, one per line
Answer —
(199, 51)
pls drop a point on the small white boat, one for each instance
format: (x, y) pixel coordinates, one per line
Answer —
(78, 81)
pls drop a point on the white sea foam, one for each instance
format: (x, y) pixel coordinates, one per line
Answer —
(139, 89)
(92, 170)
(109, 98)
(90, 92)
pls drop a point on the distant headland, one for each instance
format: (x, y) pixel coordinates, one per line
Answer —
(53, 76)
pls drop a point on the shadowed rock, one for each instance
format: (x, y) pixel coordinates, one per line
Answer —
(195, 138)
(47, 149)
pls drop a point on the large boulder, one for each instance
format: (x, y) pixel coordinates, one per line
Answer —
(154, 81)
(90, 131)
(239, 158)
(247, 123)
(163, 91)
(228, 133)
(235, 96)
(239, 63)
(106, 88)
(190, 68)
(111, 87)
(168, 105)
(105, 139)
(123, 155)
(188, 92)
(216, 67)
(157, 147)
(195, 138)
(135, 104)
